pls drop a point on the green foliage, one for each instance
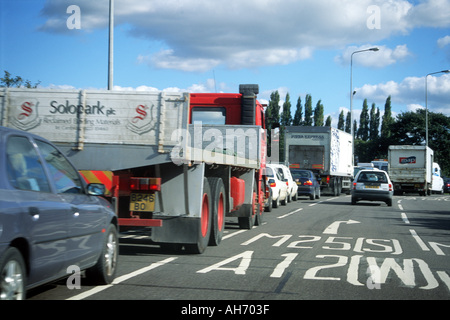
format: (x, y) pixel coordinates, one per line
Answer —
(9, 81)
(318, 114)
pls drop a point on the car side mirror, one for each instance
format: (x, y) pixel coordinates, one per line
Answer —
(96, 189)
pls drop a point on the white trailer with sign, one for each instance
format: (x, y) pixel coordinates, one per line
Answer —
(324, 150)
(411, 169)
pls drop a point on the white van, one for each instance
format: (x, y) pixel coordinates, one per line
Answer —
(437, 186)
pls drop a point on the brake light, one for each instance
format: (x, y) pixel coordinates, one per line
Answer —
(308, 183)
(328, 179)
(145, 184)
(390, 187)
(354, 185)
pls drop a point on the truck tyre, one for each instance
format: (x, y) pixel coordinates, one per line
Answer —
(218, 210)
(249, 221)
(204, 228)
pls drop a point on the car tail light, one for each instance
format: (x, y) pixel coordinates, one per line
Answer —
(145, 184)
(328, 179)
(354, 185)
(272, 183)
(308, 183)
(390, 187)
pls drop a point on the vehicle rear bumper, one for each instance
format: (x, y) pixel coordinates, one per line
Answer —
(372, 195)
(305, 190)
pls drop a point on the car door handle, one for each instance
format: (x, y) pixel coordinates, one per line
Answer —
(75, 211)
(34, 212)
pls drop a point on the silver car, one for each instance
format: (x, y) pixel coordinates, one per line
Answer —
(372, 185)
(51, 222)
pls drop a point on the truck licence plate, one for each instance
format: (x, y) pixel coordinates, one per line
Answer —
(142, 202)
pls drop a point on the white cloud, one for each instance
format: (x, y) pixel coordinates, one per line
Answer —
(411, 92)
(443, 42)
(379, 59)
(198, 35)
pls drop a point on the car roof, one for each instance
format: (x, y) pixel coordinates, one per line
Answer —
(5, 130)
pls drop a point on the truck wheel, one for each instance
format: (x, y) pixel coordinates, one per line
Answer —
(218, 210)
(249, 221)
(12, 275)
(204, 223)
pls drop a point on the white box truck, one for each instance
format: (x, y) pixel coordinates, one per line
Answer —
(324, 150)
(411, 169)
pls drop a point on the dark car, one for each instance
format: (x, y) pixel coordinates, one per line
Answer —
(51, 222)
(307, 183)
(446, 185)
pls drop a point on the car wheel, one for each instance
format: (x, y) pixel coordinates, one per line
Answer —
(104, 271)
(353, 201)
(276, 203)
(13, 275)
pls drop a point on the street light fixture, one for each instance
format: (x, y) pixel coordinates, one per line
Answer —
(351, 96)
(426, 102)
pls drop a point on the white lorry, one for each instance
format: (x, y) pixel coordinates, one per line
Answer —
(411, 169)
(176, 163)
(326, 151)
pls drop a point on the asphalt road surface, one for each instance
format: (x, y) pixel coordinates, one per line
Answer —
(309, 249)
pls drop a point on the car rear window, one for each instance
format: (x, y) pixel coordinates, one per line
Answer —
(372, 177)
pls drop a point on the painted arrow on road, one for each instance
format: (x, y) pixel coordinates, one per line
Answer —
(333, 228)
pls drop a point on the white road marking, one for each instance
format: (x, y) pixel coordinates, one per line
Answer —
(422, 244)
(405, 218)
(290, 213)
(121, 279)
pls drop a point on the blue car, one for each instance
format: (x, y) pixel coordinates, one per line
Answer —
(51, 222)
(307, 183)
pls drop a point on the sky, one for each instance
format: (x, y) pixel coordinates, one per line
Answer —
(296, 47)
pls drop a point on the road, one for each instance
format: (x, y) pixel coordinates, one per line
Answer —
(309, 249)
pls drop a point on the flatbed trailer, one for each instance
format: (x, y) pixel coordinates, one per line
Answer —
(178, 163)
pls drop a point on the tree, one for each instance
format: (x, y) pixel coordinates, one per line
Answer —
(286, 117)
(318, 114)
(328, 121)
(374, 122)
(363, 131)
(17, 81)
(273, 111)
(348, 122)
(298, 113)
(341, 121)
(387, 121)
(308, 111)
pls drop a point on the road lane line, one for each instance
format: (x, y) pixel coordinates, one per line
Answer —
(290, 213)
(422, 244)
(405, 218)
(121, 279)
(233, 234)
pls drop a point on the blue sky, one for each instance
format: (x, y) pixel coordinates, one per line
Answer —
(292, 46)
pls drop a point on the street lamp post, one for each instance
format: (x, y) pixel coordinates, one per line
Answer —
(111, 45)
(351, 97)
(426, 102)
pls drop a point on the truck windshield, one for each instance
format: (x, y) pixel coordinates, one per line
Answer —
(215, 116)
